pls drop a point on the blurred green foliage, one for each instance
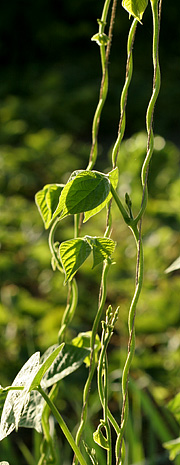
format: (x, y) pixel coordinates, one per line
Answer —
(48, 91)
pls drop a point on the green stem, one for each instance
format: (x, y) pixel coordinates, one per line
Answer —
(124, 94)
(70, 308)
(51, 245)
(47, 440)
(123, 211)
(63, 426)
(150, 110)
(133, 226)
(131, 345)
(103, 89)
(102, 298)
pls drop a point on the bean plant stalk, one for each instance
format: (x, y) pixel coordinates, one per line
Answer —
(85, 194)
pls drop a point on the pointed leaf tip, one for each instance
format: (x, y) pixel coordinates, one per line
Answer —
(135, 8)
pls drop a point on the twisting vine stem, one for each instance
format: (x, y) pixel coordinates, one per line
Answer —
(107, 331)
(105, 53)
(124, 94)
(156, 14)
(123, 102)
(102, 298)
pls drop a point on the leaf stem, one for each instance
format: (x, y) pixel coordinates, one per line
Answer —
(102, 298)
(72, 301)
(52, 247)
(63, 426)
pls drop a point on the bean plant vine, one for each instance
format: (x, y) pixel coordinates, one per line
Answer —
(32, 396)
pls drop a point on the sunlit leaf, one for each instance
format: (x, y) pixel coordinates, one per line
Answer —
(100, 38)
(44, 367)
(174, 266)
(47, 200)
(102, 249)
(174, 406)
(173, 447)
(32, 413)
(113, 177)
(83, 340)
(99, 437)
(73, 253)
(68, 360)
(83, 193)
(17, 400)
(135, 8)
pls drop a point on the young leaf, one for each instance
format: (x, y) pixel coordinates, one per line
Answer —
(173, 447)
(174, 406)
(135, 8)
(44, 367)
(113, 177)
(83, 340)
(102, 248)
(99, 437)
(83, 193)
(73, 253)
(47, 200)
(68, 360)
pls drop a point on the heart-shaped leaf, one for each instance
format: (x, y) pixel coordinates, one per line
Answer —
(47, 200)
(83, 193)
(73, 253)
(102, 249)
(113, 177)
(135, 8)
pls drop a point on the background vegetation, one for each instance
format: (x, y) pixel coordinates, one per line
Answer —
(49, 84)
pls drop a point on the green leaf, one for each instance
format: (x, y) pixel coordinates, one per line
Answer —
(44, 367)
(102, 249)
(113, 177)
(86, 191)
(174, 266)
(47, 200)
(73, 253)
(16, 400)
(3, 395)
(68, 360)
(135, 8)
(173, 447)
(83, 340)
(99, 437)
(100, 38)
(174, 407)
(32, 413)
